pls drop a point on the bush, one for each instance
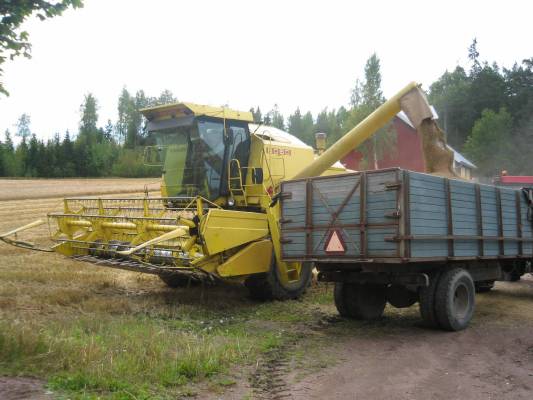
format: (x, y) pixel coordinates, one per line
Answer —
(130, 165)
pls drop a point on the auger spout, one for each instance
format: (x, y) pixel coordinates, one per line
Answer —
(410, 99)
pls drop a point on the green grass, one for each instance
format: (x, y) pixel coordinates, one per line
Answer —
(155, 352)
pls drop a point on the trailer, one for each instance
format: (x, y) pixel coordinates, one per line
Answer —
(404, 237)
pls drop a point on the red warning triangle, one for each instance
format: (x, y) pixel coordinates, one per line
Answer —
(335, 244)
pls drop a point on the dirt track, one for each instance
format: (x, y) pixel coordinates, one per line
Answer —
(22, 389)
(479, 363)
(399, 359)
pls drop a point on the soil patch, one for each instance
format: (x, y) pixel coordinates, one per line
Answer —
(23, 389)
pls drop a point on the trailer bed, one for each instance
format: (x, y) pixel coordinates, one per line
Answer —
(401, 216)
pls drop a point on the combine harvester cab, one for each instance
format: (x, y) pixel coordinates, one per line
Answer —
(218, 217)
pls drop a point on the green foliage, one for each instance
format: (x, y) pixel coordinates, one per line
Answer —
(258, 117)
(449, 95)
(129, 126)
(89, 117)
(94, 152)
(460, 97)
(366, 97)
(274, 118)
(13, 42)
(489, 144)
(130, 165)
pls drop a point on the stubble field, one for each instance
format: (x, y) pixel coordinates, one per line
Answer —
(78, 331)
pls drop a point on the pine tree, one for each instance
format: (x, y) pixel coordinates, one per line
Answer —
(89, 118)
(166, 97)
(10, 168)
(32, 163)
(21, 159)
(295, 124)
(256, 115)
(275, 118)
(308, 129)
(69, 158)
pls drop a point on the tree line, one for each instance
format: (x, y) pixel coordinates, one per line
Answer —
(486, 111)
(115, 149)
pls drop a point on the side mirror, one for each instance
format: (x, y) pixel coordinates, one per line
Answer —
(257, 176)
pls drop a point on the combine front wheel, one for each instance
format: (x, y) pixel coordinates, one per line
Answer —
(284, 281)
(178, 281)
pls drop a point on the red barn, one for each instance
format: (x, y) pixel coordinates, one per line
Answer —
(407, 153)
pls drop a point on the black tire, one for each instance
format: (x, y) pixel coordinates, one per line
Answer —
(177, 281)
(400, 297)
(455, 299)
(484, 286)
(358, 301)
(426, 298)
(266, 287)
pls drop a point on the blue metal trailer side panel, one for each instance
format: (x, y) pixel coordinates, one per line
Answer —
(428, 214)
(399, 216)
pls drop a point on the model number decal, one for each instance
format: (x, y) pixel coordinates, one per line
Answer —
(278, 151)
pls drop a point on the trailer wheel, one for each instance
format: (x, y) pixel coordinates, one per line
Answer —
(484, 286)
(358, 301)
(269, 286)
(400, 297)
(455, 299)
(426, 298)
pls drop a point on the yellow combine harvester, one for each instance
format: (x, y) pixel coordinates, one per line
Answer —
(218, 216)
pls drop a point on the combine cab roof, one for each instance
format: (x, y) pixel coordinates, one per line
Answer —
(179, 110)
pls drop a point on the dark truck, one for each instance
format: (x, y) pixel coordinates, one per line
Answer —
(403, 237)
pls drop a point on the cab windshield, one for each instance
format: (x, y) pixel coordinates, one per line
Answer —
(193, 158)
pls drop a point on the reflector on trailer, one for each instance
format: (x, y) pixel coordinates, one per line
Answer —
(335, 243)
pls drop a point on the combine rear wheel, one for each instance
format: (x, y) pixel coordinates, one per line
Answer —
(358, 301)
(284, 281)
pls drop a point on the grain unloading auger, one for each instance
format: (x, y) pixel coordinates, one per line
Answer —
(218, 216)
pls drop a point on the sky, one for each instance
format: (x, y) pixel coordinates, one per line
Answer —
(304, 54)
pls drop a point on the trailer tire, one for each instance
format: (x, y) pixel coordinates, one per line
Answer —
(268, 286)
(455, 299)
(484, 286)
(426, 299)
(358, 301)
(400, 297)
